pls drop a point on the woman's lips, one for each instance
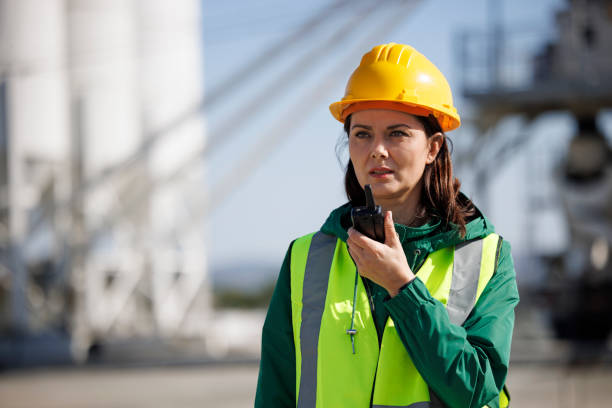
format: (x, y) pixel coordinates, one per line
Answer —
(380, 172)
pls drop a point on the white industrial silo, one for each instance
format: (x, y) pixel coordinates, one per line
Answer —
(98, 99)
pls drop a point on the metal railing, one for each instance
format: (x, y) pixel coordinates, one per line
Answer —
(502, 59)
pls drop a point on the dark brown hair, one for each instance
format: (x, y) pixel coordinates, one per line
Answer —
(440, 196)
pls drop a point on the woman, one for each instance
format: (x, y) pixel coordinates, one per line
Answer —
(423, 319)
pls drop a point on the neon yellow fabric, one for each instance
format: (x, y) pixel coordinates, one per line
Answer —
(335, 354)
(298, 267)
(504, 399)
(489, 256)
(398, 383)
(436, 273)
(386, 372)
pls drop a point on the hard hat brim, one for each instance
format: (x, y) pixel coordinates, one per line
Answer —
(447, 119)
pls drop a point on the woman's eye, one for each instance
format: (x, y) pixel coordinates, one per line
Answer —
(397, 133)
(361, 135)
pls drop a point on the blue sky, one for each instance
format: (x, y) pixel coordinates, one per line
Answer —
(298, 180)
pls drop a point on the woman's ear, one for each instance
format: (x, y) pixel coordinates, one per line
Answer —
(435, 144)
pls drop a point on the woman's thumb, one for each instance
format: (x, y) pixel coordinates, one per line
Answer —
(390, 234)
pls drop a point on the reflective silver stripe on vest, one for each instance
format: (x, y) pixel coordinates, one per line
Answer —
(464, 284)
(415, 405)
(316, 278)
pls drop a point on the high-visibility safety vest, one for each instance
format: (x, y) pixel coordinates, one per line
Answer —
(322, 292)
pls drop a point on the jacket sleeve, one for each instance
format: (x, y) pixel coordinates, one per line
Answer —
(465, 365)
(276, 382)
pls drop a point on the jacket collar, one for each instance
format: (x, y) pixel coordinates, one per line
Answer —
(434, 234)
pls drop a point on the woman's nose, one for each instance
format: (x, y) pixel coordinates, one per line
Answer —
(379, 150)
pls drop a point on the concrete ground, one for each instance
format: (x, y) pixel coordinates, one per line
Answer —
(233, 386)
(228, 386)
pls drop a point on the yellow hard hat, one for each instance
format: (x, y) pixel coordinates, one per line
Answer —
(398, 77)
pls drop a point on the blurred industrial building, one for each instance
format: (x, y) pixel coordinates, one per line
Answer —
(96, 235)
(569, 74)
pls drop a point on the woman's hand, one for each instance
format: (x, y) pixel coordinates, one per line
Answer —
(384, 264)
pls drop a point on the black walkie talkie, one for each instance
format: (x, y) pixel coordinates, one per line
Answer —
(369, 220)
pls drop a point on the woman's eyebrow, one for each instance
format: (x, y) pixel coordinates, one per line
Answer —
(399, 125)
(361, 126)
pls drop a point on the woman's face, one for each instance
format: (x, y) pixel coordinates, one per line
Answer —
(389, 150)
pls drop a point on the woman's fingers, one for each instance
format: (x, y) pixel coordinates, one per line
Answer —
(361, 240)
(391, 238)
(355, 254)
(356, 238)
(384, 264)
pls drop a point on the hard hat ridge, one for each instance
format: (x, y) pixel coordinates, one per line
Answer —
(391, 53)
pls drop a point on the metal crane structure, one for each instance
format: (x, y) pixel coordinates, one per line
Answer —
(102, 153)
(570, 73)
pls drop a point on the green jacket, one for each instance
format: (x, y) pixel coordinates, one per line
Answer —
(466, 366)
